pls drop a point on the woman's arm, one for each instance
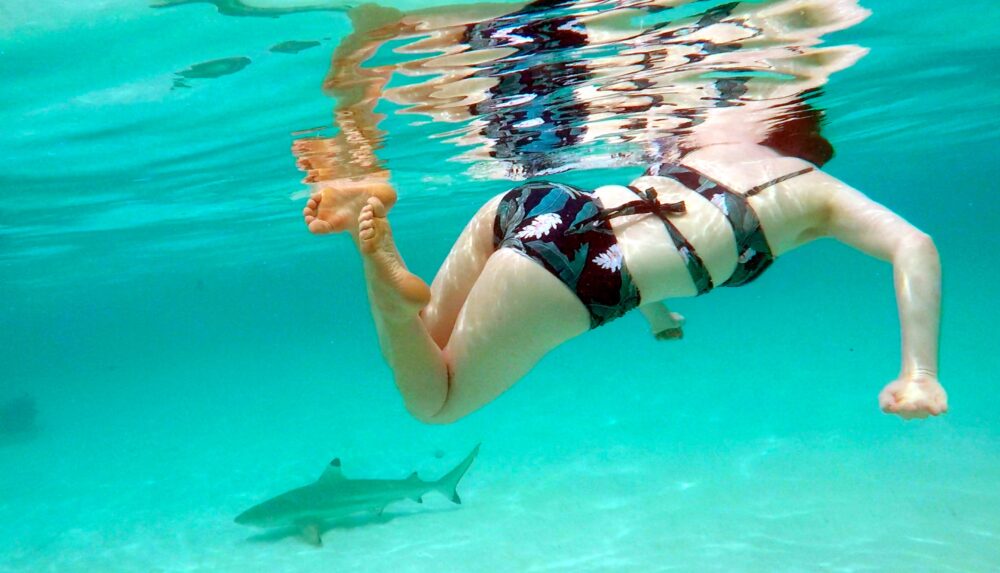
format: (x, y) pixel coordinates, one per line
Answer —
(871, 228)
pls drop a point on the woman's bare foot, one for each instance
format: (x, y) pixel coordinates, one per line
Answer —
(335, 207)
(394, 289)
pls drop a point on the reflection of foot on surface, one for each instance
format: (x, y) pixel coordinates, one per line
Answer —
(396, 289)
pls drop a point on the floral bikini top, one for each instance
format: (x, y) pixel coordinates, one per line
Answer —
(754, 253)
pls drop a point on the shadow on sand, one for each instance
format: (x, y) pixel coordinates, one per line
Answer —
(360, 520)
(18, 420)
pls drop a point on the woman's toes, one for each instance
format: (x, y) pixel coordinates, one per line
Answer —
(319, 226)
(366, 227)
(376, 206)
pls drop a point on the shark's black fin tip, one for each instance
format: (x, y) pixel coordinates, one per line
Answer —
(335, 462)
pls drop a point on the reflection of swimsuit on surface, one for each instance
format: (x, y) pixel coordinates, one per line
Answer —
(531, 110)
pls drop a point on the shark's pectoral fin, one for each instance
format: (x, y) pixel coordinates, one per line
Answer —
(311, 534)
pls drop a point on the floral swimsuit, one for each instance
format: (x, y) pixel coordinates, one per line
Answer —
(567, 231)
(564, 229)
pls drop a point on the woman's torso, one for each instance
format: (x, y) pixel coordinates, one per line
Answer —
(789, 212)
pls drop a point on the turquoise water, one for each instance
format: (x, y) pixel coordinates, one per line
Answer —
(192, 351)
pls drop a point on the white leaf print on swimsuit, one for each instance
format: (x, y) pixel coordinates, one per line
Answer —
(540, 226)
(720, 202)
(610, 260)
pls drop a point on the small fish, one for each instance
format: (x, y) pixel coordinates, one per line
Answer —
(215, 68)
(334, 496)
(293, 46)
(241, 8)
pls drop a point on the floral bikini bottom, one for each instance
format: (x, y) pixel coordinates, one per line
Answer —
(565, 230)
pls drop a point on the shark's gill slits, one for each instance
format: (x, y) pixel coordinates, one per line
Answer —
(560, 85)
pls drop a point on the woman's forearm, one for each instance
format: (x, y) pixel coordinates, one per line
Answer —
(917, 271)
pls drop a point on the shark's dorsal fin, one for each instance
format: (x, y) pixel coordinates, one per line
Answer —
(332, 472)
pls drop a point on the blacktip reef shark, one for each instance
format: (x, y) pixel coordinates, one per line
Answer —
(334, 496)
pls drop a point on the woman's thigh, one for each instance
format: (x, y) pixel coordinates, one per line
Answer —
(515, 313)
(459, 272)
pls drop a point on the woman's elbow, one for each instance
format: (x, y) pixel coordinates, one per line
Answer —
(918, 247)
(923, 243)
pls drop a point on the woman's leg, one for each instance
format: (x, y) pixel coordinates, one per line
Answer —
(515, 314)
(511, 315)
(506, 313)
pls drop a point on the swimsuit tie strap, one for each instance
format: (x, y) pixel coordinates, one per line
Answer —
(755, 190)
(647, 203)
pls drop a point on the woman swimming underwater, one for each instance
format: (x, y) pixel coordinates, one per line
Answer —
(545, 262)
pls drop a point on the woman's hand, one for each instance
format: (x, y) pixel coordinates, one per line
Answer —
(672, 329)
(665, 325)
(914, 396)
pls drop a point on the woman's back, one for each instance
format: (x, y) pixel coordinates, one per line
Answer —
(725, 234)
(789, 210)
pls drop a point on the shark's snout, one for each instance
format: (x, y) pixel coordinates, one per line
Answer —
(272, 512)
(251, 517)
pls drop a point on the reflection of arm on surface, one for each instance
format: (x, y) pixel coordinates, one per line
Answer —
(734, 74)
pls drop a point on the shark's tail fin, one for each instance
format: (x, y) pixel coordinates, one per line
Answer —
(449, 483)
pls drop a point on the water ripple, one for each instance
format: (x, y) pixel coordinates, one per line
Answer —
(582, 85)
